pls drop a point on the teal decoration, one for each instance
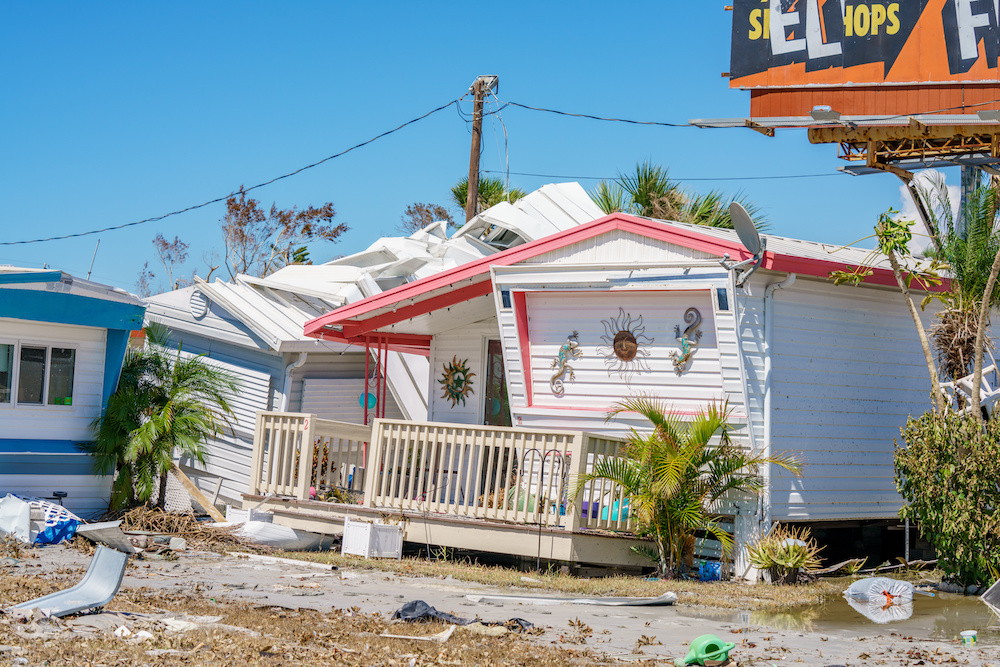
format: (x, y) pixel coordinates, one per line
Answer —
(495, 406)
(372, 401)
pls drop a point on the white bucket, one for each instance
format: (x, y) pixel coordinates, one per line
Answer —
(968, 637)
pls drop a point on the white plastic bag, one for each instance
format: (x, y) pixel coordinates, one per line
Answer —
(15, 518)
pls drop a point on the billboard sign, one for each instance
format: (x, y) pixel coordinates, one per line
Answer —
(799, 43)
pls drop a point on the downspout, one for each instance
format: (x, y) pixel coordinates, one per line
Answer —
(768, 336)
(286, 389)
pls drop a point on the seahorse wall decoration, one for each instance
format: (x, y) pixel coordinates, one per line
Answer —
(688, 340)
(569, 350)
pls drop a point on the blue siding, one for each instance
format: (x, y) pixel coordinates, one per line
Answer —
(114, 357)
(59, 308)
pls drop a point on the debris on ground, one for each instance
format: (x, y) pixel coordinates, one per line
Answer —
(144, 524)
(97, 588)
(660, 600)
(420, 611)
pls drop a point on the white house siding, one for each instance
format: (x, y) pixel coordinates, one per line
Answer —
(553, 316)
(87, 494)
(730, 365)
(619, 247)
(320, 366)
(463, 343)
(341, 400)
(230, 454)
(749, 314)
(58, 422)
(847, 372)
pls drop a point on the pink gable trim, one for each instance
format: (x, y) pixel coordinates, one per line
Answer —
(466, 281)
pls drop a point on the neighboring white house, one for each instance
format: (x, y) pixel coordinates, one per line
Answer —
(62, 342)
(828, 373)
(253, 327)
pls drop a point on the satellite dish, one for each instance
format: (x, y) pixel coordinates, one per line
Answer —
(745, 228)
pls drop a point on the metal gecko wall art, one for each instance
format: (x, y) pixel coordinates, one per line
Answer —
(569, 350)
(625, 345)
(688, 340)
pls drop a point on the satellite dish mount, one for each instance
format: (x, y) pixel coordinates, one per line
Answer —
(751, 240)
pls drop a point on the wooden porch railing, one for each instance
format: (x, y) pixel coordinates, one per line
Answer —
(513, 475)
(295, 451)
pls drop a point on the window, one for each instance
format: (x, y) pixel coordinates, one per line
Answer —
(723, 298)
(32, 374)
(31, 380)
(61, 376)
(505, 298)
(6, 371)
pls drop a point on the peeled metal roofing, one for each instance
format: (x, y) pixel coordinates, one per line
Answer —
(277, 307)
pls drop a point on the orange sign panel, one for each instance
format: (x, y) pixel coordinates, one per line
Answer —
(806, 43)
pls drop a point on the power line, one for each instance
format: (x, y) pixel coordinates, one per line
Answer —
(712, 178)
(584, 115)
(225, 197)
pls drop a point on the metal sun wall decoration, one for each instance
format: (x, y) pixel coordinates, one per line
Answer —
(569, 350)
(456, 381)
(688, 339)
(625, 343)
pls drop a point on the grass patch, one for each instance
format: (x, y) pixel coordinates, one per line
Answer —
(724, 595)
(251, 634)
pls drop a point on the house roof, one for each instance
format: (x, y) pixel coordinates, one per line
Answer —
(54, 296)
(467, 283)
(276, 308)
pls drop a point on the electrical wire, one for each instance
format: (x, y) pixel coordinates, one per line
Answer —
(711, 178)
(855, 119)
(231, 194)
(584, 115)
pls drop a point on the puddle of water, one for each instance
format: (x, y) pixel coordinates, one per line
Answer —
(942, 618)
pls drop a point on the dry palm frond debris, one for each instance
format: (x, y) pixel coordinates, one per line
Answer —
(199, 534)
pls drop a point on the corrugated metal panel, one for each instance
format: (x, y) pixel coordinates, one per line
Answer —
(847, 372)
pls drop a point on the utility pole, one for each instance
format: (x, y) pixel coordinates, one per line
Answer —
(479, 88)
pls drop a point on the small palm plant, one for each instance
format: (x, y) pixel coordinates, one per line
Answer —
(165, 402)
(784, 552)
(675, 475)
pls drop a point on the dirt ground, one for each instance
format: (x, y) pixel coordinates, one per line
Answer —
(210, 609)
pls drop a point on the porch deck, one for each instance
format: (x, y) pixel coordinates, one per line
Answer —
(496, 489)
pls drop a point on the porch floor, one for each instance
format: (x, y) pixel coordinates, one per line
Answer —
(551, 543)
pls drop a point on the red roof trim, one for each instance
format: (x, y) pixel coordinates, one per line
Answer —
(477, 272)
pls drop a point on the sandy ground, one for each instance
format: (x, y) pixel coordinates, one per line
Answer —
(662, 632)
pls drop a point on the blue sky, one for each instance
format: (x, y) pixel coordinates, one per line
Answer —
(114, 112)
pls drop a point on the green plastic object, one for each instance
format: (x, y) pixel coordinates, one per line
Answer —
(706, 647)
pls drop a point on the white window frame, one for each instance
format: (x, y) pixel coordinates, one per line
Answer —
(14, 404)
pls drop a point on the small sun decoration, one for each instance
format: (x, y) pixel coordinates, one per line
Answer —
(625, 344)
(456, 381)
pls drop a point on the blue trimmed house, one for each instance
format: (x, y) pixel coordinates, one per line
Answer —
(62, 343)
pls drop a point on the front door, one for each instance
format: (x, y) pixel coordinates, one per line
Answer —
(497, 409)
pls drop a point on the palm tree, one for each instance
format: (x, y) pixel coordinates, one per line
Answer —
(492, 191)
(165, 402)
(969, 256)
(651, 193)
(675, 475)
